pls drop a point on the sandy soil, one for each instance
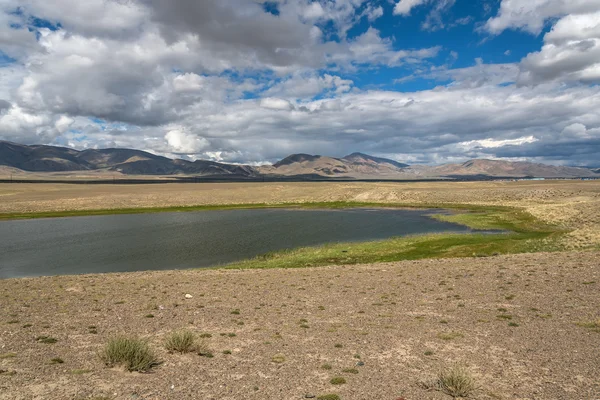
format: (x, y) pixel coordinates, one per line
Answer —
(572, 204)
(389, 315)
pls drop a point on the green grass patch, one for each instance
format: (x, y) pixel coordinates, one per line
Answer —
(523, 233)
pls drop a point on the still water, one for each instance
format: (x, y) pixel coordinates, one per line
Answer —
(118, 243)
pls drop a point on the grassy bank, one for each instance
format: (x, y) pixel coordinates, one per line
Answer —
(523, 234)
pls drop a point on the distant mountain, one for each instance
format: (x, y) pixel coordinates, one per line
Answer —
(500, 168)
(41, 159)
(132, 162)
(365, 159)
(355, 165)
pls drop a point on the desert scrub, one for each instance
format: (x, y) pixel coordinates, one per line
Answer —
(450, 335)
(456, 382)
(46, 339)
(131, 352)
(278, 358)
(331, 396)
(592, 325)
(337, 380)
(180, 342)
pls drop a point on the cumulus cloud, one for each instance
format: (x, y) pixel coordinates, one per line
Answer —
(571, 52)
(532, 15)
(403, 7)
(227, 80)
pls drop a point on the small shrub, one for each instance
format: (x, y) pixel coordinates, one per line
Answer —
(326, 366)
(80, 371)
(235, 312)
(338, 346)
(450, 335)
(428, 353)
(331, 396)
(226, 352)
(350, 371)
(513, 324)
(131, 352)
(181, 342)
(338, 380)
(46, 339)
(206, 335)
(593, 325)
(278, 358)
(57, 360)
(456, 382)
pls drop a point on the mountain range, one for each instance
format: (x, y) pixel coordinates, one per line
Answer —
(44, 159)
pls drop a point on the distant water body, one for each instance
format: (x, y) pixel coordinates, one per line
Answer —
(137, 242)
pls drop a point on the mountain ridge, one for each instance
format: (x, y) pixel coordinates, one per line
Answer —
(45, 158)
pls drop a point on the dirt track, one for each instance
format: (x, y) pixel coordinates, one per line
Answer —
(389, 315)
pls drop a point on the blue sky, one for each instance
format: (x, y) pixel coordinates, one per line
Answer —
(420, 81)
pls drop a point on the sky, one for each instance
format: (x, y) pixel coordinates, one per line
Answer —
(252, 81)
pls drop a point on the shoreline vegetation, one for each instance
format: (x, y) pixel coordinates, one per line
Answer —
(521, 233)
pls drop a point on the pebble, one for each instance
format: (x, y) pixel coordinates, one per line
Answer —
(360, 363)
(188, 296)
(309, 396)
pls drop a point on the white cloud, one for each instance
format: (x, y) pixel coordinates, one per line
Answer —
(276, 104)
(403, 7)
(308, 85)
(186, 143)
(531, 15)
(571, 52)
(491, 143)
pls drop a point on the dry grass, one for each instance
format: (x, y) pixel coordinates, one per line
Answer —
(181, 342)
(456, 381)
(131, 352)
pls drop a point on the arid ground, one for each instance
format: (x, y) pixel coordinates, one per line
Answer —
(526, 326)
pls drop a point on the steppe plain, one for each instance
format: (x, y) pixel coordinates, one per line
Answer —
(526, 326)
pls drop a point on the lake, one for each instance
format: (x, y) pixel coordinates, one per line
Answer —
(136, 242)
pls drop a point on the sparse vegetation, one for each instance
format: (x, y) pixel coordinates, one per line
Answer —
(337, 380)
(181, 342)
(57, 360)
(131, 352)
(456, 381)
(592, 325)
(450, 335)
(278, 358)
(46, 339)
(330, 396)
(350, 371)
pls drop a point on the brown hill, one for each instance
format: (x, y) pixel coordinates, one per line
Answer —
(43, 159)
(500, 168)
(127, 161)
(355, 165)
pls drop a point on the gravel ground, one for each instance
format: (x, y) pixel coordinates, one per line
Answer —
(511, 320)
